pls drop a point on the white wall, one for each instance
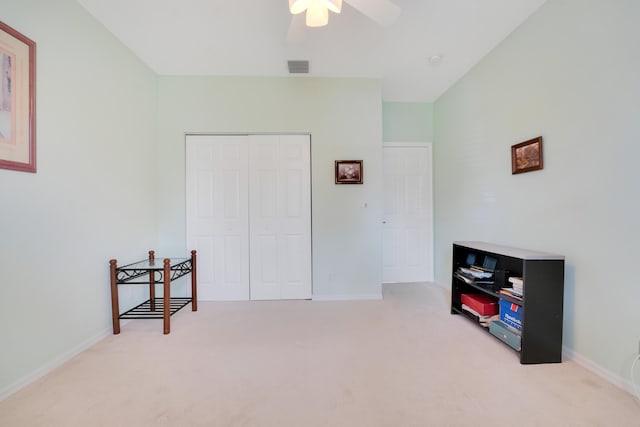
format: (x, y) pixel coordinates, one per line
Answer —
(344, 119)
(569, 73)
(91, 199)
(407, 122)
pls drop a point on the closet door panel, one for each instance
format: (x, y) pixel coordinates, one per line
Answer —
(279, 168)
(217, 214)
(296, 217)
(264, 223)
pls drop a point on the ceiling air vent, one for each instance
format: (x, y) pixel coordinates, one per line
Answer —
(298, 67)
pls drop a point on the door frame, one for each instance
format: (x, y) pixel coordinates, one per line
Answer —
(429, 146)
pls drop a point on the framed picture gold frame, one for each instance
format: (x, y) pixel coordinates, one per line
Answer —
(526, 156)
(349, 171)
(17, 100)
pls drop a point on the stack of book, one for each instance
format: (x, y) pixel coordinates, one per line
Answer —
(515, 290)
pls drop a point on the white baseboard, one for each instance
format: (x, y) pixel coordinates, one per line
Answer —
(622, 383)
(53, 364)
(350, 297)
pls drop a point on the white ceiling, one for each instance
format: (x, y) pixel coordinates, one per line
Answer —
(249, 38)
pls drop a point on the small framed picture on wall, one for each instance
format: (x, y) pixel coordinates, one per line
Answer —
(349, 171)
(526, 156)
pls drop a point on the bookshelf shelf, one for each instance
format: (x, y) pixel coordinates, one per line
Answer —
(542, 301)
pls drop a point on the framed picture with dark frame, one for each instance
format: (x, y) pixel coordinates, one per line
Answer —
(17, 100)
(526, 156)
(349, 171)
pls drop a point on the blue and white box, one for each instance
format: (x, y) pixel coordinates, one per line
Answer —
(511, 314)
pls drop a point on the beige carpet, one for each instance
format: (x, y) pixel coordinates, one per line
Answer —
(403, 361)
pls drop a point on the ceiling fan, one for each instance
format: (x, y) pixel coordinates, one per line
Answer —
(384, 12)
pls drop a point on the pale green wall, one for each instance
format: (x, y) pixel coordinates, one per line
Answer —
(343, 117)
(569, 73)
(407, 122)
(91, 199)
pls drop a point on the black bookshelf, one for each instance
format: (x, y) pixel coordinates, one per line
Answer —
(542, 301)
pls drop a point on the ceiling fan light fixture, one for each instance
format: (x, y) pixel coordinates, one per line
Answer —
(317, 10)
(317, 14)
(298, 6)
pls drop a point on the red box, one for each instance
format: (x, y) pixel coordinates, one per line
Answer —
(481, 303)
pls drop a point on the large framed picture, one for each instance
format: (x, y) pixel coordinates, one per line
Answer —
(526, 156)
(17, 100)
(349, 171)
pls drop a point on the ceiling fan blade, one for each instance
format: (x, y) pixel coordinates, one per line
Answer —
(384, 12)
(297, 30)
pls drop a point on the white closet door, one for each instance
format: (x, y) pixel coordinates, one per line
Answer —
(217, 214)
(407, 236)
(280, 216)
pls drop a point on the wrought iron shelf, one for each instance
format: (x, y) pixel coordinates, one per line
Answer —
(152, 272)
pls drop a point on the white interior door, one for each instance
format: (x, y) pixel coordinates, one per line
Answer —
(408, 213)
(218, 214)
(280, 216)
(249, 215)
